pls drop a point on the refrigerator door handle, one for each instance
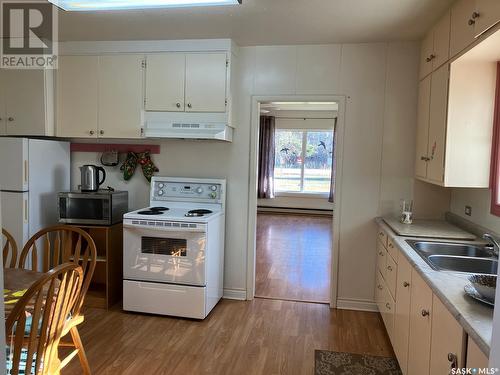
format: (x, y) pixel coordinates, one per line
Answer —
(25, 211)
(26, 171)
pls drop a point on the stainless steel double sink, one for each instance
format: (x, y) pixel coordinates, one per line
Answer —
(458, 257)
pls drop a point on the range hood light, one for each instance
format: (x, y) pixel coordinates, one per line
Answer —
(93, 5)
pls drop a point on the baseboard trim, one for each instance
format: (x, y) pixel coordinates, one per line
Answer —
(236, 294)
(358, 305)
(293, 210)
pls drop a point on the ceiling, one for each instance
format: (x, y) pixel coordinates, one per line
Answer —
(263, 22)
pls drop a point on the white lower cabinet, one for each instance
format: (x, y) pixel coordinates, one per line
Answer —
(420, 326)
(426, 338)
(402, 313)
(448, 340)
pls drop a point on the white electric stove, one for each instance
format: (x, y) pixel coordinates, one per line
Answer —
(173, 250)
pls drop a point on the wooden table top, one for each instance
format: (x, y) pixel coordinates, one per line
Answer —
(16, 282)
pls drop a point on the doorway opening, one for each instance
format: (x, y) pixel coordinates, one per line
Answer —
(296, 168)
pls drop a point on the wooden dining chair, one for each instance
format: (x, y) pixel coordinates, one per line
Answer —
(32, 349)
(9, 250)
(56, 245)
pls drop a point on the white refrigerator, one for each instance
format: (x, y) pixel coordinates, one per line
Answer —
(32, 172)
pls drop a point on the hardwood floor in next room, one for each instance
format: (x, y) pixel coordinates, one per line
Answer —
(293, 257)
(261, 337)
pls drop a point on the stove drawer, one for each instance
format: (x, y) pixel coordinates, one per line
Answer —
(164, 299)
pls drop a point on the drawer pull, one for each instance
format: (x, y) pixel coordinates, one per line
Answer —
(391, 245)
(388, 306)
(380, 287)
(425, 313)
(389, 268)
(453, 359)
(381, 253)
(381, 234)
(406, 284)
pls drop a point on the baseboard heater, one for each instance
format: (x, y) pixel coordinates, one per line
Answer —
(290, 210)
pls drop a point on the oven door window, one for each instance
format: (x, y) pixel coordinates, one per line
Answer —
(164, 246)
(85, 209)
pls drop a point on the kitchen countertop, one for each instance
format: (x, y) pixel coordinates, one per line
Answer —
(475, 317)
(429, 228)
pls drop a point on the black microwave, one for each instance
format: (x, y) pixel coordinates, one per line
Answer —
(103, 207)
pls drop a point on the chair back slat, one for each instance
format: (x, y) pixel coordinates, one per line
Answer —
(46, 253)
(9, 250)
(62, 244)
(48, 303)
(34, 257)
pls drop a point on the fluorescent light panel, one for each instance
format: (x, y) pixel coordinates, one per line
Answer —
(90, 5)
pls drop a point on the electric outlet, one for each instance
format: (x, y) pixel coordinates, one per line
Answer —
(468, 210)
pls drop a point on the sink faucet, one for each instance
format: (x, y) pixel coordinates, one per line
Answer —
(494, 241)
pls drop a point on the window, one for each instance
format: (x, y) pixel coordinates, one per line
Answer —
(303, 161)
(495, 154)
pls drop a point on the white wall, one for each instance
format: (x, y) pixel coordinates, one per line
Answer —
(380, 83)
(479, 200)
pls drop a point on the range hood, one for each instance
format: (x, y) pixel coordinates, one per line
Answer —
(183, 125)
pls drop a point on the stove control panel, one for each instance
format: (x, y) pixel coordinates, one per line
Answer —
(165, 190)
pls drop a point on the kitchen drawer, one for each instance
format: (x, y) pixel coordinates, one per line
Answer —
(381, 258)
(379, 290)
(382, 236)
(387, 312)
(392, 250)
(391, 275)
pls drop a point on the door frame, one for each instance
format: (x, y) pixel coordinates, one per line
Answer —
(252, 193)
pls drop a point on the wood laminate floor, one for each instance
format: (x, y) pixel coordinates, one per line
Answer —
(293, 257)
(239, 337)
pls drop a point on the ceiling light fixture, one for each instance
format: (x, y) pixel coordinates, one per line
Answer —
(92, 5)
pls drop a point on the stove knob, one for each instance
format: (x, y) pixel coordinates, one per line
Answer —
(160, 192)
(213, 188)
(213, 195)
(199, 190)
(161, 186)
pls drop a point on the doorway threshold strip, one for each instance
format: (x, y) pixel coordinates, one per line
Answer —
(293, 300)
(337, 363)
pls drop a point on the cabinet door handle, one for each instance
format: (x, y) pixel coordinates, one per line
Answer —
(381, 253)
(406, 284)
(453, 359)
(425, 158)
(190, 105)
(471, 22)
(101, 132)
(476, 15)
(178, 105)
(425, 313)
(430, 58)
(11, 119)
(389, 268)
(91, 132)
(391, 245)
(388, 306)
(380, 287)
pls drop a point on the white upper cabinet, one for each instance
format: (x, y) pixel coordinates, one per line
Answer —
(77, 90)
(206, 82)
(165, 82)
(120, 96)
(26, 102)
(462, 26)
(424, 102)
(190, 82)
(487, 15)
(469, 20)
(100, 96)
(437, 124)
(435, 49)
(426, 53)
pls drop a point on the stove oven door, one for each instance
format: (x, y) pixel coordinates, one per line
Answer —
(164, 254)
